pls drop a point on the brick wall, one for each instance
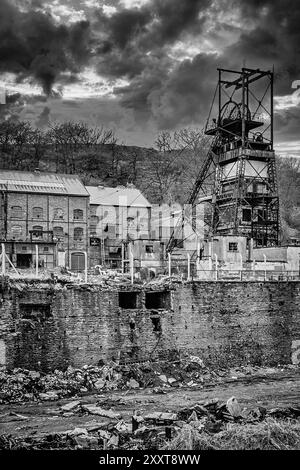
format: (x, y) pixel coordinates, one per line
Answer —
(49, 204)
(47, 326)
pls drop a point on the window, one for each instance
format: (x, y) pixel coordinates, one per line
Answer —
(58, 213)
(233, 246)
(46, 248)
(37, 213)
(58, 233)
(128, 300)
(16, 231)
(16, 212)
(37, 232)
(158, 300)
(247, 215)
(149, 248)
(93, 224)
(78, 233)
(78, 214)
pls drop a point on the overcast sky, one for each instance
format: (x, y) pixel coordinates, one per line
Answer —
(141, 66)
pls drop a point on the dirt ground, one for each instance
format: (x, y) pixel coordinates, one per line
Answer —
(271, 390)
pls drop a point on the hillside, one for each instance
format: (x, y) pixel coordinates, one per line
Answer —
(165, 174)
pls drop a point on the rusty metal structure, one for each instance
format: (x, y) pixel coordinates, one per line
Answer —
(238, 176)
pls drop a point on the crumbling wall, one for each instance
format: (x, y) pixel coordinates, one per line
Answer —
(47, 326)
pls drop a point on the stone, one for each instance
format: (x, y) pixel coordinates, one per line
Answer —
(96, 410)
(132, 383)
(163, 378)
(158, 416)
(85, 441)
(48, 396)
(34, 375)
(233, 407)
(171, 380)
(70, 406)
(99, 384)
(77, 432)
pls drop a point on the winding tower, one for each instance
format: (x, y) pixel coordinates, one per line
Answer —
(245, 195)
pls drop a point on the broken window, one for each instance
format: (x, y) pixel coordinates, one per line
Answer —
(35, 311)
(78, 214)
(128, 299)
(78, 234)
(233, 246)
(58, 213)
(37, 233)
(149, 248)
(37, 213)
(158, 300)
(58, 232)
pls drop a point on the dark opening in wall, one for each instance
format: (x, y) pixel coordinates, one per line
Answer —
(156, 324)
(128, 299)
(158, 300)
(35, 311)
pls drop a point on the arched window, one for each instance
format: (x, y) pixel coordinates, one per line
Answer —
(58, 232)
(78, 214)
(58, 213)
(78, 233)
(16, 231)
(16, 212)
(37, 232)
(37, 213)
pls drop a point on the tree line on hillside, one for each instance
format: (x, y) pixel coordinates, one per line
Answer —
(164, 173)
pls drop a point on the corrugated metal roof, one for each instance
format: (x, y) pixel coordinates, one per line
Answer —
(119, 196)
(40, 182)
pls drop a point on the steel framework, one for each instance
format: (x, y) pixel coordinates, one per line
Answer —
(243, 190)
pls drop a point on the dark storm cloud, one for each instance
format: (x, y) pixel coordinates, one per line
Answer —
(31, 44)
(130, 34)
(275, 40)
(270, 36)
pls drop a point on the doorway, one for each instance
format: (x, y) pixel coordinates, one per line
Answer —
(24, 260)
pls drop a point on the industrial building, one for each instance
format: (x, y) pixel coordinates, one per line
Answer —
(44, 210)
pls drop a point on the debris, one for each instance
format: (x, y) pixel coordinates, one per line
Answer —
(96, 410)
(157, 416)
(163, 378)
(171, 380)
(77, 432)
(133, 384)
(48, 396)
(70, 406)
(99, 384)
(233, 407)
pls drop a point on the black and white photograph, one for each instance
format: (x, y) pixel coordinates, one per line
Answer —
(149, 232)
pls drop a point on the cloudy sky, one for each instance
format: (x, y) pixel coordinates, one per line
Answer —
(141, 66)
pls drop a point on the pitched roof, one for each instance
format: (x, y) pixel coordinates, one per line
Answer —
(41, 182)
(119, 196)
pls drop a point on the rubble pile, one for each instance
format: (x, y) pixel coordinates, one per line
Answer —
(157, 430)
(23, 385)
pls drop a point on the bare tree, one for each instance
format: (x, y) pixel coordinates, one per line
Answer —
(176, 163)
(70, 138)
